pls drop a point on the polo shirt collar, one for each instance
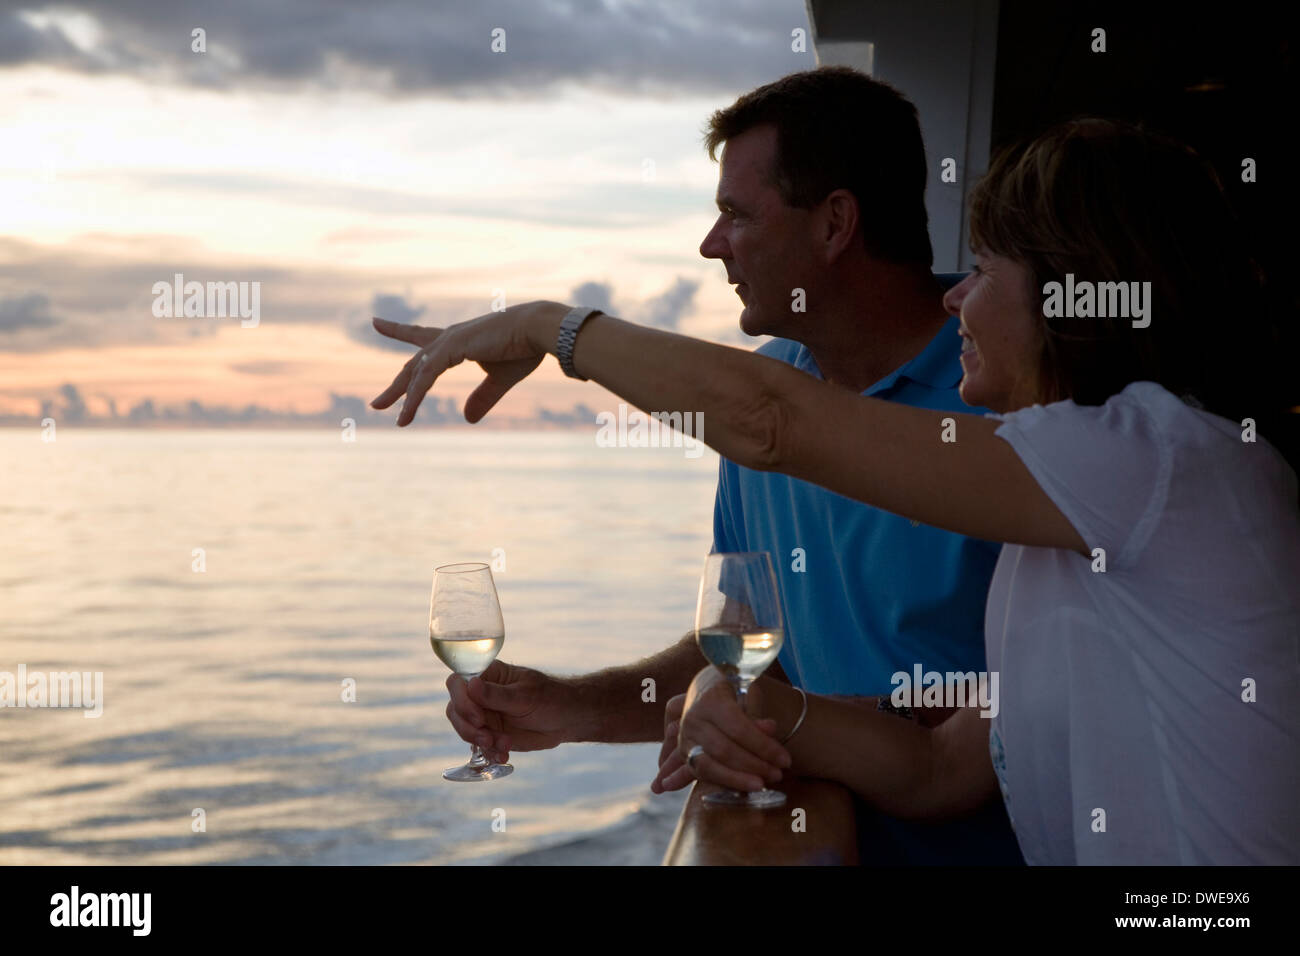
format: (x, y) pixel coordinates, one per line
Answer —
(938, 365)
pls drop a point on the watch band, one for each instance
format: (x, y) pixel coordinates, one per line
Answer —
(569, 327)
(887, 706)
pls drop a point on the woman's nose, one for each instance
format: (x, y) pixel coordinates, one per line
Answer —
(952, 299)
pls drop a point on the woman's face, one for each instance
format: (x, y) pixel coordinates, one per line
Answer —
(1002, 343)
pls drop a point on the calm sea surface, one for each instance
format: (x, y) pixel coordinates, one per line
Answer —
(223, 688)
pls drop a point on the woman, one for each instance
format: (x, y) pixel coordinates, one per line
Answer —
(1144, 620)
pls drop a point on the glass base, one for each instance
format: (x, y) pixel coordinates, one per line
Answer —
(758, 799)
(471, 774)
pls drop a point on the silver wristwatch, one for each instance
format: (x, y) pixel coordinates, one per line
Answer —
(568, 335)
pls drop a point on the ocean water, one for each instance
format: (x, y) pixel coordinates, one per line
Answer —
(223, 688)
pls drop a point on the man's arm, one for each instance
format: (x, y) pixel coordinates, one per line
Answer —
(517, 708)
(613, 701)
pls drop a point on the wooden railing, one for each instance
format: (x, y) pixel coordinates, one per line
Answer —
(825, 834)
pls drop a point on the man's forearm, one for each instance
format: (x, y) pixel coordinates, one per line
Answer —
(620, 707)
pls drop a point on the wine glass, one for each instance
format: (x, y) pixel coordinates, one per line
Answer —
(466, 631)
(739, 628)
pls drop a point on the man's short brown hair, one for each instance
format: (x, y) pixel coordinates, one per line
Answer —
(837, 128)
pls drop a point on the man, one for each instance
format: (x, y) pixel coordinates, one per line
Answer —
(823, 231)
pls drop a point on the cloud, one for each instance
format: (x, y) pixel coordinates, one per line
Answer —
(594, 295)
(100, 289)
(395, 308)
(264, 367)
(359, 235)
(580, 414)
(663, 311)
(413, 46)
(72, 409)
(434, 410)
(96, 292)
(21, 42)
(670, 307)
(596, 205)
(25, 312)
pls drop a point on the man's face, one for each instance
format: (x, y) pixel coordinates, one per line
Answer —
(764, 244)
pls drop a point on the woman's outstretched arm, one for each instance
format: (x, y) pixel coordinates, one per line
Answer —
(765, 415)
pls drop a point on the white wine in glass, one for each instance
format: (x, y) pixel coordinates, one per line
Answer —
(740, 629)
(467, 631)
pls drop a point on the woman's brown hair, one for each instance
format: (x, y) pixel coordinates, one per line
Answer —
(1108, 201)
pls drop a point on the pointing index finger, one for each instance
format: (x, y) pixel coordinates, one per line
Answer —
(415, 334)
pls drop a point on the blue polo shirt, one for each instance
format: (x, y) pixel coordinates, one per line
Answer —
(867, 593)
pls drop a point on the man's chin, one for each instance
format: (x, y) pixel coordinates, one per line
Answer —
(750, 327)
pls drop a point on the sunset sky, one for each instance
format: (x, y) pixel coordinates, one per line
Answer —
(354, 160)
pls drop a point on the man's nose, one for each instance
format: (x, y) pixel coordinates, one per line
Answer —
(714, 245)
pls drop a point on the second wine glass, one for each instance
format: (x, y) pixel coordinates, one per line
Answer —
(740, 630)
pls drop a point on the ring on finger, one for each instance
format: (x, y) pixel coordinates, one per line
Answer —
(692, 755)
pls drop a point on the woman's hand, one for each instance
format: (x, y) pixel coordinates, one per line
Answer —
(739, 752)
(499, 342)
(669, 760)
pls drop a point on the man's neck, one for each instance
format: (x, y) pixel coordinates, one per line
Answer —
(881, 323)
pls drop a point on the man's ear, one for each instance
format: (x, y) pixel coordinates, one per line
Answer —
(840, 224)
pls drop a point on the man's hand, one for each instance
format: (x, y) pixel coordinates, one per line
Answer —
(739, 752)
(498, 342)
(511, 708)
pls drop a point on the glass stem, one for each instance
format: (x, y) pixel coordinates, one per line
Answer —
(477, 759)
(742, 691)
(742, 697)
